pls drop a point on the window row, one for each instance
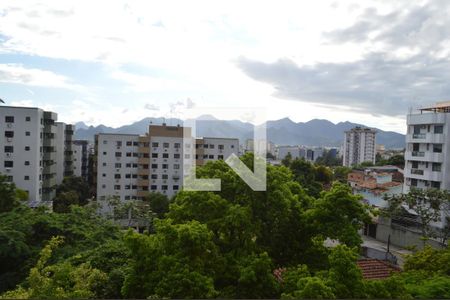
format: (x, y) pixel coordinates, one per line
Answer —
(10, 119)
(163, 187)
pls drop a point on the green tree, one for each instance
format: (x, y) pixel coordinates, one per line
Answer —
(176, 262)
(428, 205)
(287, 160)
(159, 203)
(59, 281)
(9, 195)
(338, 214)
(341, 174)
(72, 191)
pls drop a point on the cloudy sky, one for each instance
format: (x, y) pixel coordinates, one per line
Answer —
(115, 62)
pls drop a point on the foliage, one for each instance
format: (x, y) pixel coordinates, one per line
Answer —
(59, 281)
(328, 159)
(339, 215)
(341, 173)
(159, 204)
(428, 205)
(9, 196)
(72, 191)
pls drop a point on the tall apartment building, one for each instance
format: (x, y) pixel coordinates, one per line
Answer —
(80, 158)
(28, 151)
(359, 146)
(64, 151)
(130, 166)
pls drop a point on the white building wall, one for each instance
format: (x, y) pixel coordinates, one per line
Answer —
(117, 173)
(26, 171)
(60, 127)
(359, 146)
(77, 159)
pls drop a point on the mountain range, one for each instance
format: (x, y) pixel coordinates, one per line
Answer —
(281, 132)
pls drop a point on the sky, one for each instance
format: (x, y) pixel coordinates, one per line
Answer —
(117, 62)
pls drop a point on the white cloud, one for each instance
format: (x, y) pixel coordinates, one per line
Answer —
(18, 74)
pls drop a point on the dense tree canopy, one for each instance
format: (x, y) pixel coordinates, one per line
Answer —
(225, 244)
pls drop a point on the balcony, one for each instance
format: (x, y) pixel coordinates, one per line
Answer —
(50, 169)
(429, 138)
(142, 182)
(142, 172)
(143, 150)
(426, 118)
(417, 171)
(50, 128)
(142, 193)
(49, 143)
(425, 174)
(144, 160)
(49, 183)
(424, 156)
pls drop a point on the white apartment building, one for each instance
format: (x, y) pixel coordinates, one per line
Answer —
(131, 166)
(64, 153)
(359, 146)
(250, 146)
(294, 151)
(28, 151)
(80, 158)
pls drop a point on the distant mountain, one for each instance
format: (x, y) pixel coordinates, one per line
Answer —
(282, 132)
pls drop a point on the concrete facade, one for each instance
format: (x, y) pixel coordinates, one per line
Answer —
(359, 146)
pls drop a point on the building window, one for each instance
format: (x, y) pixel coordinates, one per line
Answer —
(117, 176)
(9, 149)
(135, 144)
(438, 129)
(103, 186)
(129, 154)
(27, 148)
(232, 146)
(127, 176)
(165, 145)
(9, 134)
(27, 133)
(9, 119)
(165, 166)
(155, 144)
(436, 184)
(211, 146)
(175, 187)
(134, 187)
(105, 142)
(154, 155)
(104, 152)
(205, 156)
(164, 187)
(176, 155)
(205, 146)
(437, 148)
(27, 163)
(134, 176)
(187, 156)
(154, 166)
(221, 147)
(127, 197)
(27, 119)
(413, 182)
(26, 177)
(220, 157)
(415, 164)
(165, 176)
(153, 187)
(117, 187)
(104, 174)
(211, 156)
(135, 165)
(176, 145)
(118, 165)
(119, 143)
(436, 167)
(165, 155)
(104, 164)
(154, 176)
(176, 166)
(128, 165)
(129, 143)
(118, 154)
(128, 186)
(8, 163)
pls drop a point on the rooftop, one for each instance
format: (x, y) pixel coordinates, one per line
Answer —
(376, 269)
(440, 107)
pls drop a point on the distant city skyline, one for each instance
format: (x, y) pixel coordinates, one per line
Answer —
(114, 63)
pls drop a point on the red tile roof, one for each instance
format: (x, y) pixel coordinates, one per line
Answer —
(376, 269)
